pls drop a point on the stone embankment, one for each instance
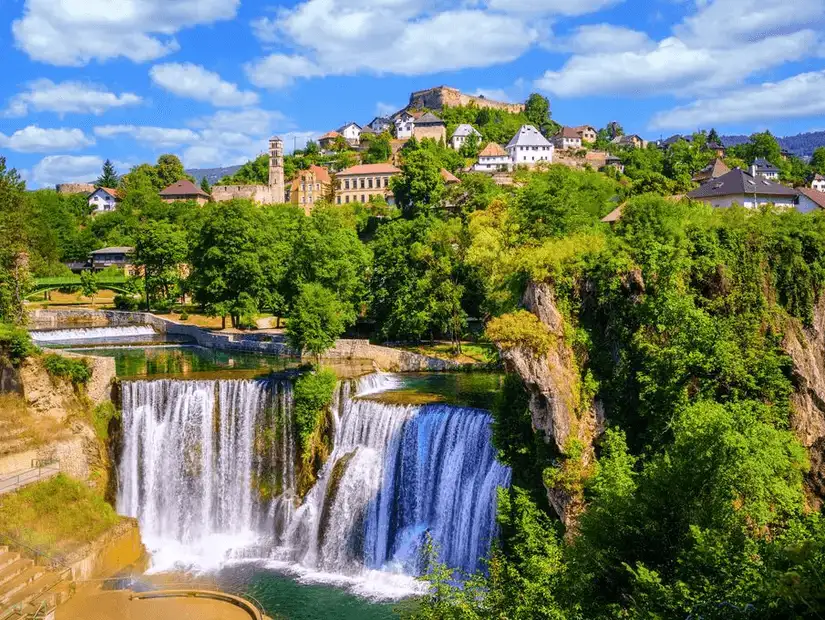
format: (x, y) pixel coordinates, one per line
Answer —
(385, 358)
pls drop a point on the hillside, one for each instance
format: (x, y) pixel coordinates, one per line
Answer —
(213, 175)
(802, 145)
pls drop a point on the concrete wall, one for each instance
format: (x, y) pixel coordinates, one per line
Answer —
(273, 344)
(118, 548)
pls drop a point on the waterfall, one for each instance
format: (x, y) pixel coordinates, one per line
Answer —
(103, 334)
(209, 467)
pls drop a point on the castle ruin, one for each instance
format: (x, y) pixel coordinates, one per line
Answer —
(447, 97)
(273, 193)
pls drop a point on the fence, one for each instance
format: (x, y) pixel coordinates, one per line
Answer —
(40, 470)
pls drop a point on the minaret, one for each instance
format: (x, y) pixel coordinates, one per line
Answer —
(276, 169)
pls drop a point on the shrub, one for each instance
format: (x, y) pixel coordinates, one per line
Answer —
(129, 303)
(313, 394)
(521, 329)
(15, 344)
(184, 316)
(75, 370)
(102, 415)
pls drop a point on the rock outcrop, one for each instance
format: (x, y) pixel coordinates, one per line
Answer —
(553, 384)
(806, 347)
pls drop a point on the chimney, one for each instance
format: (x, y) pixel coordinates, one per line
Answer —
(753, 170)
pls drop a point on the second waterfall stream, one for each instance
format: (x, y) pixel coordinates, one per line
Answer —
(209, 470)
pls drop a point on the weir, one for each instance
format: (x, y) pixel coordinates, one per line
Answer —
(209, 469)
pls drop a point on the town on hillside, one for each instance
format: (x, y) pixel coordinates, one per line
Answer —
(356, 163)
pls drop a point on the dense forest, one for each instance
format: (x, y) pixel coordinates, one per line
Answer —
(664, 465)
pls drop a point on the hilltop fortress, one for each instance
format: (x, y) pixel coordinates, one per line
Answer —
(446, 97)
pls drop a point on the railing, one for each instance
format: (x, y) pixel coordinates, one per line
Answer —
(41, 469)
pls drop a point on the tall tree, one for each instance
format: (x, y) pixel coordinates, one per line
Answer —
(160, 249)
(15, 224)
(614, 130)
(88, 285)
(537, 111)
(714, 137)
(205, 185)
(818, 160)
(317, 319)
(420, 186)
(170, 170)
(108, 176)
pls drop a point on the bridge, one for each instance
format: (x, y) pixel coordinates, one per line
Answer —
(115, 283)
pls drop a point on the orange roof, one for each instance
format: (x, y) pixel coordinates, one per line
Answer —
(321, 175)
(370, 169)
(815, 195)
(493, 150)
(449, 177)
(115, 193)
(331, 135)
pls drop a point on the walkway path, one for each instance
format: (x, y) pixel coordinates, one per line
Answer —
(17, 480)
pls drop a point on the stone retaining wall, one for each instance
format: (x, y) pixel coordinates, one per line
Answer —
(385, 358)
(118, 548)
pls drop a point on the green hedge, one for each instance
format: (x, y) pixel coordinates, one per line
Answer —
(75, 370)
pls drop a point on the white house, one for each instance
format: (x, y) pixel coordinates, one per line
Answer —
(462, 134)
(404, 125)
(765, 168)
(737, 187)
(529, 147)
(567, 138)
(810, 200)
(104, 200)
(818, 183)
(493, 158)
(351, 132)
(380, 124)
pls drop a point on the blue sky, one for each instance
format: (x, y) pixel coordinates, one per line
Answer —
(211, 80)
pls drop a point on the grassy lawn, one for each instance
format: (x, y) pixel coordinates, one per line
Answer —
(471, 352)
(56, 516)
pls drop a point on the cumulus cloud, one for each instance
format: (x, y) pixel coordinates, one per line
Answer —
(74, 32)
(224, 138)
(34, 139)
(553, 7)
(606, 38)
(796, 97)
(67, 98)
(195, 82)
(385, 109)
(672, 66)
(55, 169)
(280, 70)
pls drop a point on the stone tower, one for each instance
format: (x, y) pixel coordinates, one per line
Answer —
(276, 169)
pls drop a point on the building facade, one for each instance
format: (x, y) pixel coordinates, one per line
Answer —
(361, 183)
(184, 190)
(493, 158)
(309, 187)
(818, 183)
(272, 193)
(428, 125)
(404, 125)
(587, 133)
(461, 134)
(380, 124)
(351, 133)
(104, 200)
(737, 187)
(528, 147)
(567, 138)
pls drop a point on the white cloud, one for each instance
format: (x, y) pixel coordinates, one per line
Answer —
(160, 137)
(553, 7)
(195, 82)
(385, 109)
(66, 98)
(74, 32)
(496, 94)
(33, 139)
(672, 66)
(251, 121)
(607, 38)
(342, 37)
(56, 169)
(796, 97)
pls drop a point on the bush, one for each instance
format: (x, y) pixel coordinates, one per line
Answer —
(521, 329)
(15, 344)
(102, 415)
(163, 306)
(184, 316)
(75, 370)
(128, 303)
(313, 394)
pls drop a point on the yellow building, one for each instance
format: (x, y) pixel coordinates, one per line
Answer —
(309, 187)
(362, 182)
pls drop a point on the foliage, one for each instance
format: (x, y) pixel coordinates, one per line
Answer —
(108, 176)
(537, 111)
(15, 344)
(15, 231)
(102, 415)
(205, 185)
(166, 171)
(379, 150)
(77, 371)
(312, 397)
(317, 319)
(88, 284)
(420, 187)
(56, 516)
(160, 249)
(254, 172)
(523, 330)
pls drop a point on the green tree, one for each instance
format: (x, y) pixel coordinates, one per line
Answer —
(537, 111)
(205, 185)
(160, 249)
(420, 187)
(88, 285)
(226, 259)
(380, 149)
(170, 170)
(714, 137)
(614, 130)
(317, 319)
(818, 160)
(108, 176)
(15, 229)
(471, 147)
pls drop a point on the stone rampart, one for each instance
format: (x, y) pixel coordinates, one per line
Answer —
(75, 188)
(260, 194)
(445, 96)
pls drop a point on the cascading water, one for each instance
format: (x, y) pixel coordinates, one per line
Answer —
(103, 334)
(211, 467)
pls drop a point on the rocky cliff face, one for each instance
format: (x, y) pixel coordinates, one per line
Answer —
(806, 347)
(552, 382)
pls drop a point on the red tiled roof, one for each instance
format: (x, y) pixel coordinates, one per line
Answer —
(370, 169)
(493, 150)
(449, 177)
(330, 135)
(321, 175)
(114, 193)
(184, 187)
(815, 195)
(568, 132)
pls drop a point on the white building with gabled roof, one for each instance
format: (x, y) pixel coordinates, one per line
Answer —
(461, 134)
(528, 147)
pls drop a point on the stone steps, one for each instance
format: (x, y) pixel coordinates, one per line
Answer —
(19, 583)
(33, 593)
(7, 557)
(12, 570)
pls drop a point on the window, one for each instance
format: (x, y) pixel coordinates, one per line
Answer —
(363, 198)
(370, 183)
(347, 199)
(346, 184)
(318, 187)
(338, 200)
(363, 182)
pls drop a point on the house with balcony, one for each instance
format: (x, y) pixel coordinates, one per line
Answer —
(493, 158)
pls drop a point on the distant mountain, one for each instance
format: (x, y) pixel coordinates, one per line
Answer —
(213, 175)
(802, 145)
